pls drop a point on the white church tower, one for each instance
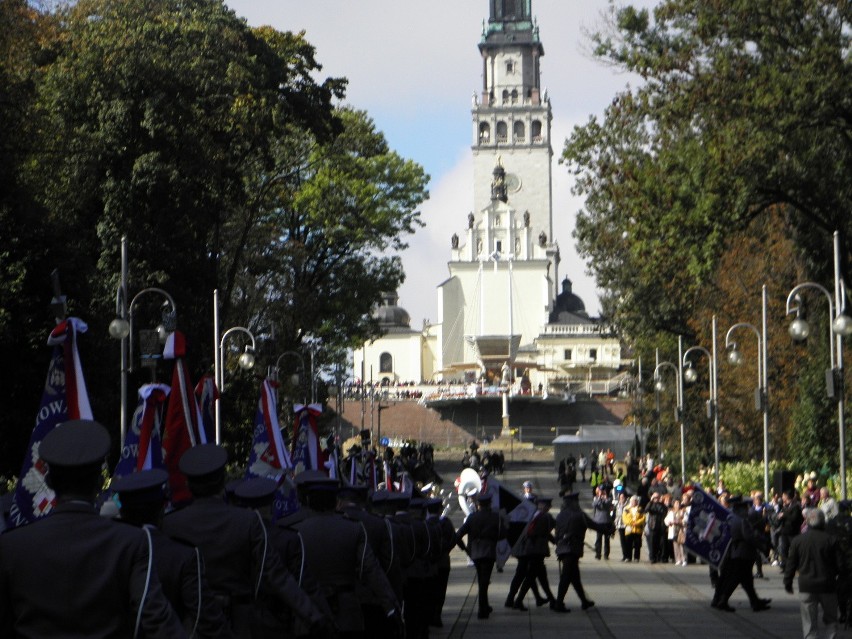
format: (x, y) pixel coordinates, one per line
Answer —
(503, 312)
(504, 268)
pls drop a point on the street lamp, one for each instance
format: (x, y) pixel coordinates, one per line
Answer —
(296, 378)
(121, 328)
(839, 326)
(691, 375)
(762, 393)
(245, 361)
(659, 386)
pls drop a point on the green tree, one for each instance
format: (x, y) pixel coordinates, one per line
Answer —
(740, 122)
(744, 106)
(212, 147)
(25, 318)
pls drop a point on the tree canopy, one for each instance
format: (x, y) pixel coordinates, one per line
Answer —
(216, 150)
(742, 119)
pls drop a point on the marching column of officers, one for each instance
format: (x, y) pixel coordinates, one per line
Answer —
(342, 565)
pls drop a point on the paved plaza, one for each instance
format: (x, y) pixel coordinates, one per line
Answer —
(632, 599)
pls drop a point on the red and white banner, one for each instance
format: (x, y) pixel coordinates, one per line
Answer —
(183, 418)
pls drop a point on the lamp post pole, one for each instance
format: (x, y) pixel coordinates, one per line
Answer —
(762, 394)
(301, 367)
(246, 361)
(121, 328)
(839, 326)
(713, 410)
(659, 386)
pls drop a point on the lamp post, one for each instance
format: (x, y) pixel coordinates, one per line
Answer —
(297, 377)
(245, 361)
(839, 326)
(660, 386)
(691, 375)
(762, 392)
(121, 328)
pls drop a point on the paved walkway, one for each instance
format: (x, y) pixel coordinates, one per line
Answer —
(633, 600)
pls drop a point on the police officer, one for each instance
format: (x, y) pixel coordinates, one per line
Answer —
(339, 556)
(445, 534)
(536, 548)
(483, 529)
(351, 503)
(736, 570)
(234, 543)
(269, 619)
(142, 498)
(383, 504)
(571, 526)
(419, 600)
(95, 582)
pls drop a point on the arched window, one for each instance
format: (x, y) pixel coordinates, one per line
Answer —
(514, 96)
(536, 130)
(386, 363)
(484, 133)
(505, 96)
(519, 131)
(502, 132)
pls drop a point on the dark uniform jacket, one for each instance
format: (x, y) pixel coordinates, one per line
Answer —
(744, 540)
(239, 560)
(484, 529)
(401, 554)
(181, 572)
(571, 526)
(75, 573)
(538, 537)
(338, 555)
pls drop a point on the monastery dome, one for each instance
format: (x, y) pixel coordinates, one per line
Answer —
(389, 314)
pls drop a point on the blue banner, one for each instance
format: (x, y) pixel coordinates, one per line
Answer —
(708, 530)
(143, 448)
(64, 398)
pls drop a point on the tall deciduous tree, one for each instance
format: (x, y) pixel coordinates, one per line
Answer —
(743, 115)
(745, 105)
(214, 149)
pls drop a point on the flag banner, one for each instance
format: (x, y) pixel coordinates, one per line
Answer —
(64, 398)
(306, 443)
(708, 530)
(206, 393)
(143, 448)
(389, 484)
(332, 465)
(268, 456)
(183, 428)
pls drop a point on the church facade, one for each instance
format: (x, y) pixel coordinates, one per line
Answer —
(503, 305)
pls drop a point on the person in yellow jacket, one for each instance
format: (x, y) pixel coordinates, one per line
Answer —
(633, 519)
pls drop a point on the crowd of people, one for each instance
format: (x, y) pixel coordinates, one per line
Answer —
(805, 533)
(489, 461)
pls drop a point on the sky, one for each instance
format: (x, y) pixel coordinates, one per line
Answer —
(413, 67)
